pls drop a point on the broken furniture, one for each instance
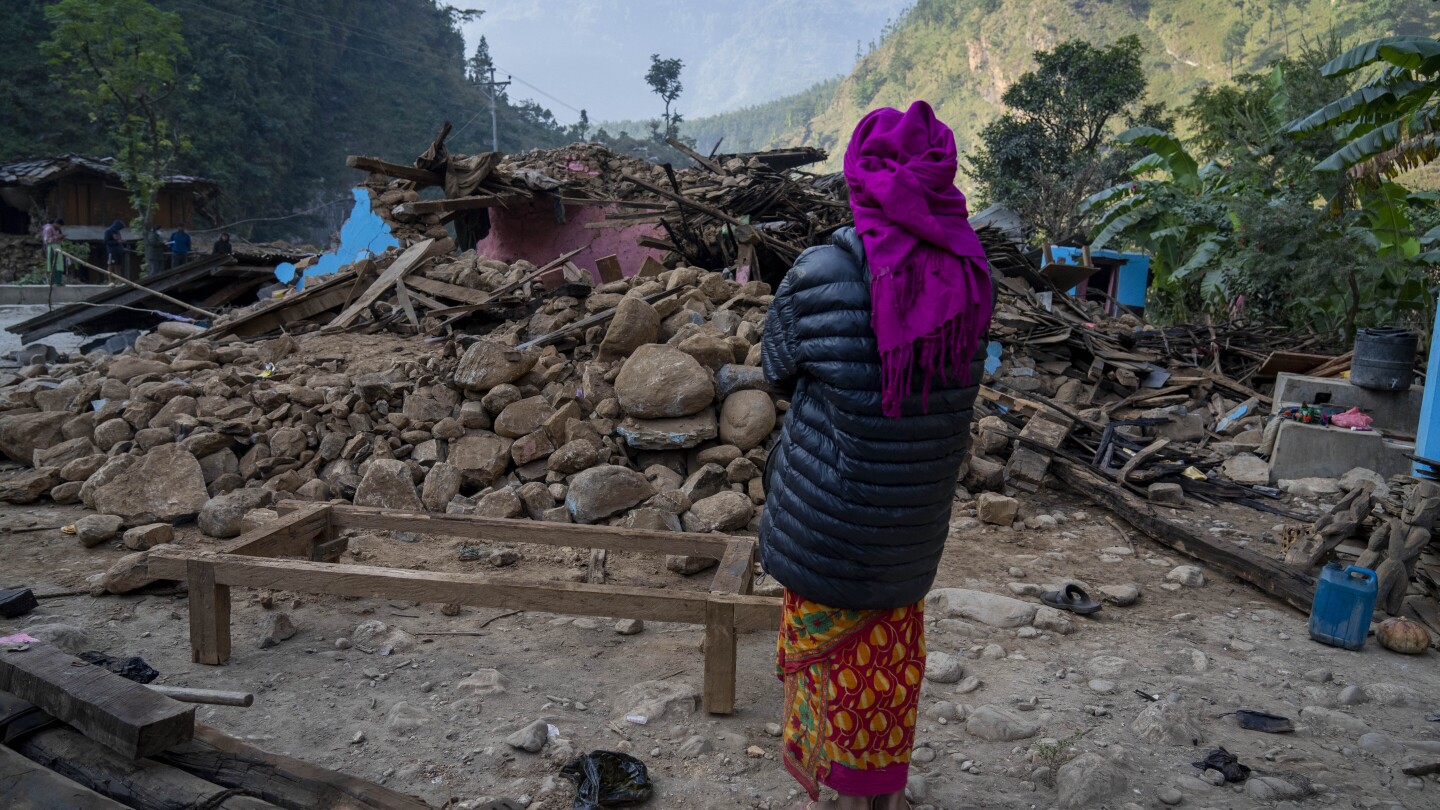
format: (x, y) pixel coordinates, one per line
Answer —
(311, 532)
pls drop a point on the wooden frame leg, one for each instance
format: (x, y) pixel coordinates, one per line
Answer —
(209, 614)
(719, 657)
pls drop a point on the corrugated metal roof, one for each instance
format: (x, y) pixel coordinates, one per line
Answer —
(43, 170)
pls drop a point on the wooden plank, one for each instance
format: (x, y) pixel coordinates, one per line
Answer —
(118, 713)
(1140, 456)
(1016, 404)
(217, 757)
(26, 785)
(421, 207)
(695, 156)
(500, 530)
(1275, 578)
(719, 695)
(210, 697)
(209, 613)
(400, 171)
(475, 590)
(754, 612)
(402, 297)
(736, 571)
(452, 291)
(320, 295)
(292, 535)
(407, 262)
(610, 270)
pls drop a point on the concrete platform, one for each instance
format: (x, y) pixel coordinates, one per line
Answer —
(1305, 451)
(1392, 412)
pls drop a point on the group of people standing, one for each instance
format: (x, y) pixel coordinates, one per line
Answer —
(154, 247)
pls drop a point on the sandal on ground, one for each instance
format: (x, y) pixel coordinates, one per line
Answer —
(1073, 598)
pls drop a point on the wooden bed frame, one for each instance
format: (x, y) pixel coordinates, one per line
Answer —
(267, 558)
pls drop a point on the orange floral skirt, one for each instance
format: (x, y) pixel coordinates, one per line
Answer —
(852, 683)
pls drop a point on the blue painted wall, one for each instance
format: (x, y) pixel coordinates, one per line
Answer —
(1134, 279)
(363, 234)
(1427, 438)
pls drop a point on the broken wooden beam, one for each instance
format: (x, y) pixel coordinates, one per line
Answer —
(420, 207)
(285, 781)
(33, 786)
(399, 171)
(122, 715)
(1271, 576)
(407, 262)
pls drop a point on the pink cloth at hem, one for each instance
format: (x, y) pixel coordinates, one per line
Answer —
(878, 782)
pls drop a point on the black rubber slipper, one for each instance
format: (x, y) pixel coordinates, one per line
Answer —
(1073, 598)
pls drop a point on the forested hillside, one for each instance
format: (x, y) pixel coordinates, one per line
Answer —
(961, 55)
(279, 91)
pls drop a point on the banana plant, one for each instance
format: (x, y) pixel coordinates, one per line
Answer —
(1168, 210)
(1388, 124)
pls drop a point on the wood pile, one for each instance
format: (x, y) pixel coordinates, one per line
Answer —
(79, 736)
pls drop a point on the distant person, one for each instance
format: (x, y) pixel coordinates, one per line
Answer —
(222, 245)
(154, 251)
(115, 249)
(53, 234)
(179, 247)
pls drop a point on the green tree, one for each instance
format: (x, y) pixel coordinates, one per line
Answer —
(119, 58)
(664, 79)
(1389, 123)
(1048, 151)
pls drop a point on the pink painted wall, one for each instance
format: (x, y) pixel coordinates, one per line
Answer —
(529, 231)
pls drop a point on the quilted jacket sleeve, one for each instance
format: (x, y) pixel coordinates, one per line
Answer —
(780, 348)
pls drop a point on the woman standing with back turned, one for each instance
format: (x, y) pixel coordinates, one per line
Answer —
(879, 334)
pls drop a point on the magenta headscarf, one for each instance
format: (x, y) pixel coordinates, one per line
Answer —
(929, 279)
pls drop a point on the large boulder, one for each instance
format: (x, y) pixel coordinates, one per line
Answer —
(661, 381)
(165, 485)
(487, 364)
(223, 515)
(998, 724)
(92, 530)
(481, 457)
(1167, 722)
(678, 433)
(726, 511)
(746, 419)
(635, 324)
(572, 457)
(600, 492)
(28, 486)
(388, 484)
(65, 452)
(21, 436)
(1090, 780)
(979, 606)
(523, 417)
(441, 484)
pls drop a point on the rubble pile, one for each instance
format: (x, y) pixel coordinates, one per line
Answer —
(749, 209)
(657, 419)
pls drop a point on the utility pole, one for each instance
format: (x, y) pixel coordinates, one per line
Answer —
(491, 88)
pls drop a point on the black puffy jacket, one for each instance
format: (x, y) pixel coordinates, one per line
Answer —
(857, 505)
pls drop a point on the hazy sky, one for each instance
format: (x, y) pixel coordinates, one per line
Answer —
(593, 54)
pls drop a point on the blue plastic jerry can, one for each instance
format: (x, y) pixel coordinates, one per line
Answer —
(1344, 601)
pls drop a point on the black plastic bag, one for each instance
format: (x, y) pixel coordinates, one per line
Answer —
(133, 668)
(607, 779)
(1226, 763)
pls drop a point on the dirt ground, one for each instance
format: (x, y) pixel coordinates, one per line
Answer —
(405, 720)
